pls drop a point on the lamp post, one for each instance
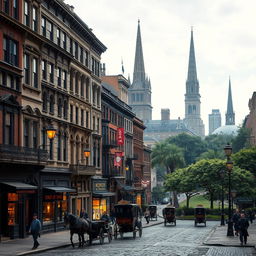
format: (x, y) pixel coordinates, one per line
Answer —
(229, 165)
(233, 194)
(222, 220)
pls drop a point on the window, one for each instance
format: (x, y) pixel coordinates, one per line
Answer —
(6, 6)
(65, 109)
(10, 51)
(76, 115)
(81, 55)
(8, 128)
(59, 107)
(15, 9)
(59, 146)
(43, 26)
(52, 104)
(59, 76)
(35, 134)
(45, 102)
(26, 133)
(26, 69)
(51, 70)
(34, 21)
(82, 117)
(44, 69)
(93, 123)
(71, 113)
(71, 46)
(76, 50)
(35, 73)
(49, 30)
(86, 58)
(87, 119)
(64, 42)
(65, 148)
(98, 125)
(64, 77)
(26, 13)
(58, 36)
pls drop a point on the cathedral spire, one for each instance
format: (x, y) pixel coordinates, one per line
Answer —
(230, 115)
(139, 70)
(192, 74)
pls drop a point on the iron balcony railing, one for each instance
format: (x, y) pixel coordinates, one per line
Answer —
(16, 154)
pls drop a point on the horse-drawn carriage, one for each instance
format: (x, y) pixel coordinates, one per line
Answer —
(200, 215)
(152, 212)
(169, 215)
(128, 219)
(99, 230)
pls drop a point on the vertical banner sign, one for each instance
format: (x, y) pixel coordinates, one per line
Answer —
(120, 136)
(118, 159)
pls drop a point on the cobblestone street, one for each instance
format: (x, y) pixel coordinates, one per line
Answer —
(184, 239)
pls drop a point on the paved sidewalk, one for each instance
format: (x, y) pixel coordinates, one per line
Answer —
(218, 237)
(47, 241)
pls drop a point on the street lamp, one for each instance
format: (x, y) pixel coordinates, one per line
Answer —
(87, 154)
(233, 194)
(229, 165)
(51, 132)
(222, 220)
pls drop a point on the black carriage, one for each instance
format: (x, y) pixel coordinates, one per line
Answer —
(200, 215)
(99, 230)
(128, 219)
(152, 212)
(169, 215)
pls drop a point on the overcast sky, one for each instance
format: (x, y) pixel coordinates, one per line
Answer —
(225, 45)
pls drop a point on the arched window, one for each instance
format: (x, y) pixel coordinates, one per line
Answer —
(60, 107)
(52, 104)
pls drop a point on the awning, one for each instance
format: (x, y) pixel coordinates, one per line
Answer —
(103, 194)
(60, 189)
(19, 185)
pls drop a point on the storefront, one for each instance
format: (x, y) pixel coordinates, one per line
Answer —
(17, 204)
(54, 206)
(101, 197)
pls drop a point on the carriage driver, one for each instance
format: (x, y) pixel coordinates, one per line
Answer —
(84, 214)
(105, 217)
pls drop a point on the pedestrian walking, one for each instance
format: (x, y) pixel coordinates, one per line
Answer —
(243, 225)
(251, 216)
(35, 229)
(146, 215)
(84, 214)
(235, 218)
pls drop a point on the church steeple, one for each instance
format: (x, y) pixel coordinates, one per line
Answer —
(192, 96)
(139, 69)
(140, 90)
(230, 115)
(192, 74)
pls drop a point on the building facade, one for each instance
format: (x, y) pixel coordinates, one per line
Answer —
(192, 97)
(140, 90)
(51, 78)
(214, 120)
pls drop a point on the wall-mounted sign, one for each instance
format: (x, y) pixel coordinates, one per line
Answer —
(99, 186)
(118, 159)
(120, 136)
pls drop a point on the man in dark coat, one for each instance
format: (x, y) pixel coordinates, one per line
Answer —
(243, 225)
(35, 228)
(84, 214)
(235, 219)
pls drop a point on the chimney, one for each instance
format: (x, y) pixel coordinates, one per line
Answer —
(165, 114)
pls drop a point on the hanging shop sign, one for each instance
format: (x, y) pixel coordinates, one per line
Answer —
(120, 136)
(118, 159)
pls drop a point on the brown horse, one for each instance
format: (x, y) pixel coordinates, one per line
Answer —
(77, 226)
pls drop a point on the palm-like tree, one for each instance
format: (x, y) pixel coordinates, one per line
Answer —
(170, 156)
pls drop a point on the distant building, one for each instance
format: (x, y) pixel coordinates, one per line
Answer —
(230, 128)
(251, 119)
(192, 97)
(140, 90)
(214, 120)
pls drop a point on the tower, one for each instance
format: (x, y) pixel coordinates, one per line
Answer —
(192, 97)
(214, 120)
(230, 115)
(140, 90)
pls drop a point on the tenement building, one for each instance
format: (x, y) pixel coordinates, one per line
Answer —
(50, 111)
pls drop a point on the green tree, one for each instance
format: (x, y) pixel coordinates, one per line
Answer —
(192, 146)
(182, 180)
(241, 140)
(211, 154)
(245, 159)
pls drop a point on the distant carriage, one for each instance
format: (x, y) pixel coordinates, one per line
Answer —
(200, 215)
(152, 212)
(169, 215)
(128, 219)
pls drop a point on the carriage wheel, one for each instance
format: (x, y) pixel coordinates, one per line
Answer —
(101, 235)
(134, 234)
